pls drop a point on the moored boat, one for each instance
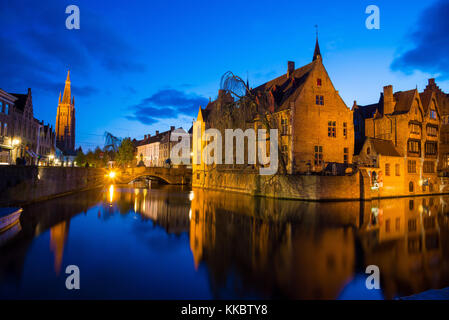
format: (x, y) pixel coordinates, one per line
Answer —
(9, 217)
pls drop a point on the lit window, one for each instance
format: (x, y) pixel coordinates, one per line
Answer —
(387, 169)
(332, 129)
(318, 155)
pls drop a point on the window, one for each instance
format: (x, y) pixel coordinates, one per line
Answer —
(319, 100)
(387, 225)
(429, 167)
(368, 150)
(431, 148)
(387, 169)
(345, 129)
(318, 155)
(332, 129)
(414, 146)
(432, 130)
(410, 186)
(398, 224)
(412, 225)
(415, 128)
(345, 155)
(397, 169)
(411, 166)
(433, 114)
(284, 126)
(284, 148)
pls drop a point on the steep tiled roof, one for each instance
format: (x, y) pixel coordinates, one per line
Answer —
(285, 89)
(425, 100)
(404, 101)
(368, 111)
(384, 147)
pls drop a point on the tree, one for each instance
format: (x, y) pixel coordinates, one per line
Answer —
(80, 158)
(125, 154)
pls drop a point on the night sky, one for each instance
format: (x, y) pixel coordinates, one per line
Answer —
(141, 66)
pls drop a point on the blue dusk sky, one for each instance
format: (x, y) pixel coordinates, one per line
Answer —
(141, 66)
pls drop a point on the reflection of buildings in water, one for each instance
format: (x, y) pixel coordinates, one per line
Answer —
(292, 249)
(169, 209)
(36, 219)
(406, 244)
(58, 238)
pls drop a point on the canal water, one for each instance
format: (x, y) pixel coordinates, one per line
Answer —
(175, 243)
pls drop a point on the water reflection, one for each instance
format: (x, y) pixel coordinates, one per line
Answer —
(228, 245)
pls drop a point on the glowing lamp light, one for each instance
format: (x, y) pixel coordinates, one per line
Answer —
(15, 142)
(191, 195)
(112, 174)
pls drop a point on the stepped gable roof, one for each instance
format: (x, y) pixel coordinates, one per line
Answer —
(21, 101)
(285, 89)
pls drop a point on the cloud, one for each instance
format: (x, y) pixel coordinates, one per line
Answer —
(430, 43)
(36, 46)
(164, 104)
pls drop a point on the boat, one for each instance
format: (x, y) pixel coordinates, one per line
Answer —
(9, 217)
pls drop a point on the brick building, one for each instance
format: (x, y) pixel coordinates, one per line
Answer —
(406, 124)
(442, 99)
(6, 120)
(314, 124)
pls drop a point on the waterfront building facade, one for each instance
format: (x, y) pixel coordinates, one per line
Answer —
(148, 150)
(406, 125)
(6, 139)
(442, 99)
(315, 127)
(24, 128)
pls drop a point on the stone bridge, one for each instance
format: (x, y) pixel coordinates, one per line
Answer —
(181, 175)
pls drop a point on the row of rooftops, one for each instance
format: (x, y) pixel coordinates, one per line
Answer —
(19, 100)
(161, 137)
(403, 101)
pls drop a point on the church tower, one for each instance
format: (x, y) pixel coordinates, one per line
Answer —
(65, 120)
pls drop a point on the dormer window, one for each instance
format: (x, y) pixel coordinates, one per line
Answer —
(433, 114)
(318, 82)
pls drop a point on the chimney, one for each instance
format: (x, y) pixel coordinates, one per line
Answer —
(157, 132)
(388, 99)
(172, 128)
(290, 68)
(144, 137)
(431, 81)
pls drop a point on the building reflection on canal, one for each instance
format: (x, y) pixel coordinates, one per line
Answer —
(172, 242)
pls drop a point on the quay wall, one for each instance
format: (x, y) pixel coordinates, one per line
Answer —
(356, 186)
(26, 184)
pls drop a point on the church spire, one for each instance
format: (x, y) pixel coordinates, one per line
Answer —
(67, 92)
(316, 53)
(59, 101)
